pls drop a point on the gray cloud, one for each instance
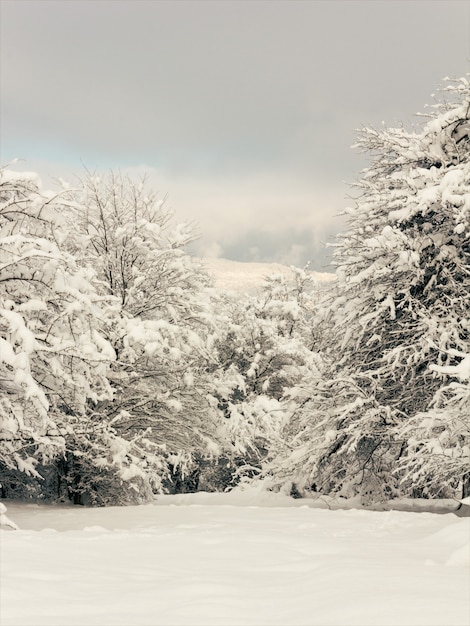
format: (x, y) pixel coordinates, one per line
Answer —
(257, 217)
(289, 246)
(231, 104)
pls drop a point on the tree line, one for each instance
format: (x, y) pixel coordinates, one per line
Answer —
(124, 373)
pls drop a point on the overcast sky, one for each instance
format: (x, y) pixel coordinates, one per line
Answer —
(243, 112)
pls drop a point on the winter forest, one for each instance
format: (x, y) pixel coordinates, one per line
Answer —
(124, 373)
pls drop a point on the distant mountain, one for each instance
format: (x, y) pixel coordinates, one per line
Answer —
(249, 277)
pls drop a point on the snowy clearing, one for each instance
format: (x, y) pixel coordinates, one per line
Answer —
(243, 277)
(219, 559)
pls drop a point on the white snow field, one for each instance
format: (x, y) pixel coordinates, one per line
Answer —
(242, 558)
(241, 277)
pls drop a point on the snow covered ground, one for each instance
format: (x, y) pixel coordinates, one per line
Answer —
(243, 558)
(249, 277)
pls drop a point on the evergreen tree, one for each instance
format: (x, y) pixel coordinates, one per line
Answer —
(395, 399)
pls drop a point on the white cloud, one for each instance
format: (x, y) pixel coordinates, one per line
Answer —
(211, 251)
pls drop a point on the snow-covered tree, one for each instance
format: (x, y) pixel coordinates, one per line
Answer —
(438, 440)
(400, 321)
(53, 357)
(124, 230)
(264, 354)
(161, 330)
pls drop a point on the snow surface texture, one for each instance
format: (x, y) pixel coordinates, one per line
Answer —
(249, 277)
(242, 558)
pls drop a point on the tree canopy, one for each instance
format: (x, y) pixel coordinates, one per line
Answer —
(124, 373)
